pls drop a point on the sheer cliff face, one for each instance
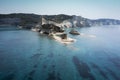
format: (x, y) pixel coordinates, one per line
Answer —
(78, 21)
(74, 21)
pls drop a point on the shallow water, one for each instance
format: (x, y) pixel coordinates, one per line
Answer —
(27, 55)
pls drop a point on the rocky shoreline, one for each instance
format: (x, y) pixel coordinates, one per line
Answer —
(56, 32)
(61, 37)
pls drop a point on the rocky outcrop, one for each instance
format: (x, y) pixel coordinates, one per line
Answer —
(74, 32)
(50, 28)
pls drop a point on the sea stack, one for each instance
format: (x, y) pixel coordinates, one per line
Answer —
(74, 32)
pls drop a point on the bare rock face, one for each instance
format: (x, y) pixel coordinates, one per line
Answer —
(51, 28)
(74, 32)
(64, 36)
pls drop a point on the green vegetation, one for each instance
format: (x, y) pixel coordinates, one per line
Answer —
(57, 18)
(25, 19)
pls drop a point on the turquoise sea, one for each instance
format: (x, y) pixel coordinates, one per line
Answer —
(27, 55)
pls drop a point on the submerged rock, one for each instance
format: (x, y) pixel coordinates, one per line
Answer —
(113, 74)
(115, 61)
(52, 76)
(30, 75)
(9, 77)
(36, 56)
(100, 70)
(83, 69)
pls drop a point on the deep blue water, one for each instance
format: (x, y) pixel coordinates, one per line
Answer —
(27, 55)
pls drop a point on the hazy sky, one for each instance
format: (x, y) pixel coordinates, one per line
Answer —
(87, 8)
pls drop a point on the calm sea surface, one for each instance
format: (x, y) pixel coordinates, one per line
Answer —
(27, 55)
